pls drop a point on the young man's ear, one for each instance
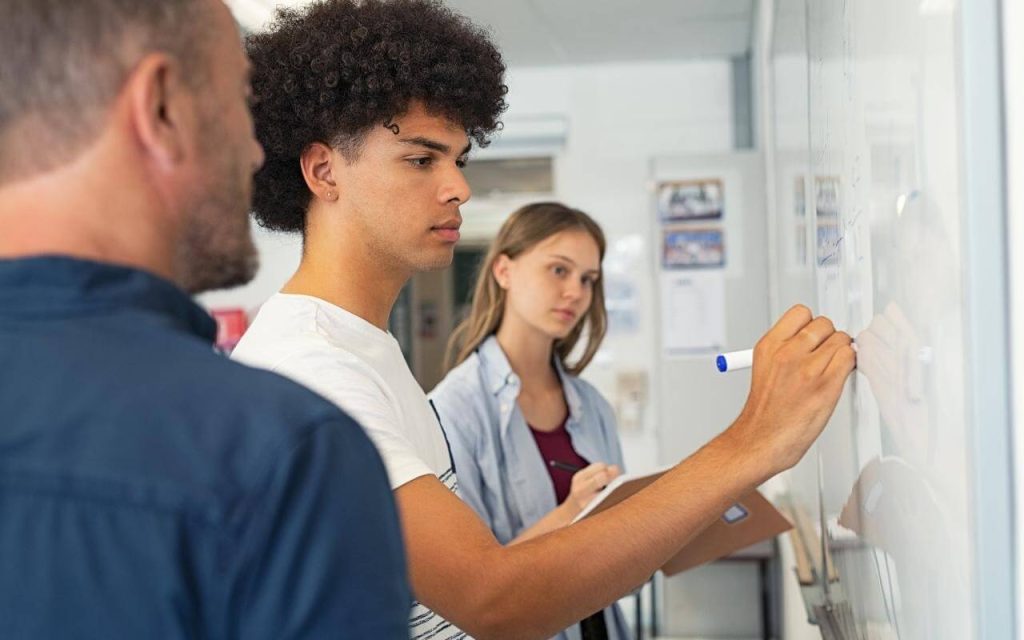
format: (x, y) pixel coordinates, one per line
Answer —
(163, 109)
(317, 162)
(500, 270)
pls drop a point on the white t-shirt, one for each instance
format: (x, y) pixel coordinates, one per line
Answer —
(361, 369)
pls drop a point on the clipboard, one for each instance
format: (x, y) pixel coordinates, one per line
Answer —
(749, 521)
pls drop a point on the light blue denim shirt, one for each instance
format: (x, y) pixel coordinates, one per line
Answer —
(501, 473)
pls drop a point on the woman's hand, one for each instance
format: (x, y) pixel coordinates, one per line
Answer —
(588, 482)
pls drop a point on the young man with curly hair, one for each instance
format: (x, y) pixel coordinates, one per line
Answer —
(149, 487)
(367, 111)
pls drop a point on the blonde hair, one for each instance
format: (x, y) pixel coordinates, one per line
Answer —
(524, 229)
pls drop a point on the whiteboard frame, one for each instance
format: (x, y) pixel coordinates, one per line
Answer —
(987, 339)
(1013, 74)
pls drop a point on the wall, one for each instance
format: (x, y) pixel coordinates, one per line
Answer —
(279, 257)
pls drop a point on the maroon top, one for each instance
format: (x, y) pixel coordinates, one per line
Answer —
(556, 445)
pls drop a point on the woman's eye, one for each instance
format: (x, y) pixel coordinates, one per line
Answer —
(559, 270)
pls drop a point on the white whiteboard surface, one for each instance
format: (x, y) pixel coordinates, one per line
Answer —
(879, 214)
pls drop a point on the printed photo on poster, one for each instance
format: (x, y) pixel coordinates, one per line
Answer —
(623, 264)
(799, 221)
(683, 200)
(829, 243)
(826, 196)
(692, 247)
(826, 210)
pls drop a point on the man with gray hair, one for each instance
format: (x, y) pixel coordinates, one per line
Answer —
(149, 487)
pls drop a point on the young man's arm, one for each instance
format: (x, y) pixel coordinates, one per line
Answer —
(541, 586)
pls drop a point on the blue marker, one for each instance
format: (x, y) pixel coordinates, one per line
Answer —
(745, 359)
(735, 360)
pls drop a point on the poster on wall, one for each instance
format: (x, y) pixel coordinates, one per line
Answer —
(828, 239)
(799, 221)
(692, 312)
(625, 259)
(231, 325)
(692, 247)
(683, 200)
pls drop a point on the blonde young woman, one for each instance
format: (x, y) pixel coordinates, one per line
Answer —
(532, 443)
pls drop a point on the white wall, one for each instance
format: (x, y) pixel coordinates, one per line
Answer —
(279, 257)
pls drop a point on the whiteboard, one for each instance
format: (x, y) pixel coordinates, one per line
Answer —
(873, 175)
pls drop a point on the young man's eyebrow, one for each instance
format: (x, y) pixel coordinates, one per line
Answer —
(434, 145)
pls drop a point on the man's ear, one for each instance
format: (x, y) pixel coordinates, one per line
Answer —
(317, 162)
(162, 108)
(500, 270)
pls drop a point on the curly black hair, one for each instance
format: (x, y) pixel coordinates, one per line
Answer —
(332, 71)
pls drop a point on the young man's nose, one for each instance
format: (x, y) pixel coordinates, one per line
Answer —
(455, 187)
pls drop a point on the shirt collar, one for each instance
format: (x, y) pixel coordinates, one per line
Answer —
(498, 370)
(572, 396)
(51, 286)
(499, 375)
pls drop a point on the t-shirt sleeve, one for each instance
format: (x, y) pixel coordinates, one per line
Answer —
(352, 388)
(320, 549)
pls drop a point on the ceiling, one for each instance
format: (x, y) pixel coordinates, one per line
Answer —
(553, 32)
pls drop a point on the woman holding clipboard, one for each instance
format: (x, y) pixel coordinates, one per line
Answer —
(532, 443)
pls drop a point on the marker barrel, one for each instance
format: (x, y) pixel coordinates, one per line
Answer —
(735, 360)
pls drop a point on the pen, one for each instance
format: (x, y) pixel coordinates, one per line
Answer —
(564, 466)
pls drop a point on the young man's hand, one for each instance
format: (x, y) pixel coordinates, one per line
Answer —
(800, 367)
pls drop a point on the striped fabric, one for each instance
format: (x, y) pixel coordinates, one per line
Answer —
(424, 624)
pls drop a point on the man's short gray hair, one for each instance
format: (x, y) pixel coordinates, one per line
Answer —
(63, 62)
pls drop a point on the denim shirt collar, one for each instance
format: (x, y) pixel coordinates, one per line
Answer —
(54, 286)
(505, 384)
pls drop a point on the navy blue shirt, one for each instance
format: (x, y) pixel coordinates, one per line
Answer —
(150, 488)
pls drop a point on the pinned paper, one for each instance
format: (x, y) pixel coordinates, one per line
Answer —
(692, 312)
